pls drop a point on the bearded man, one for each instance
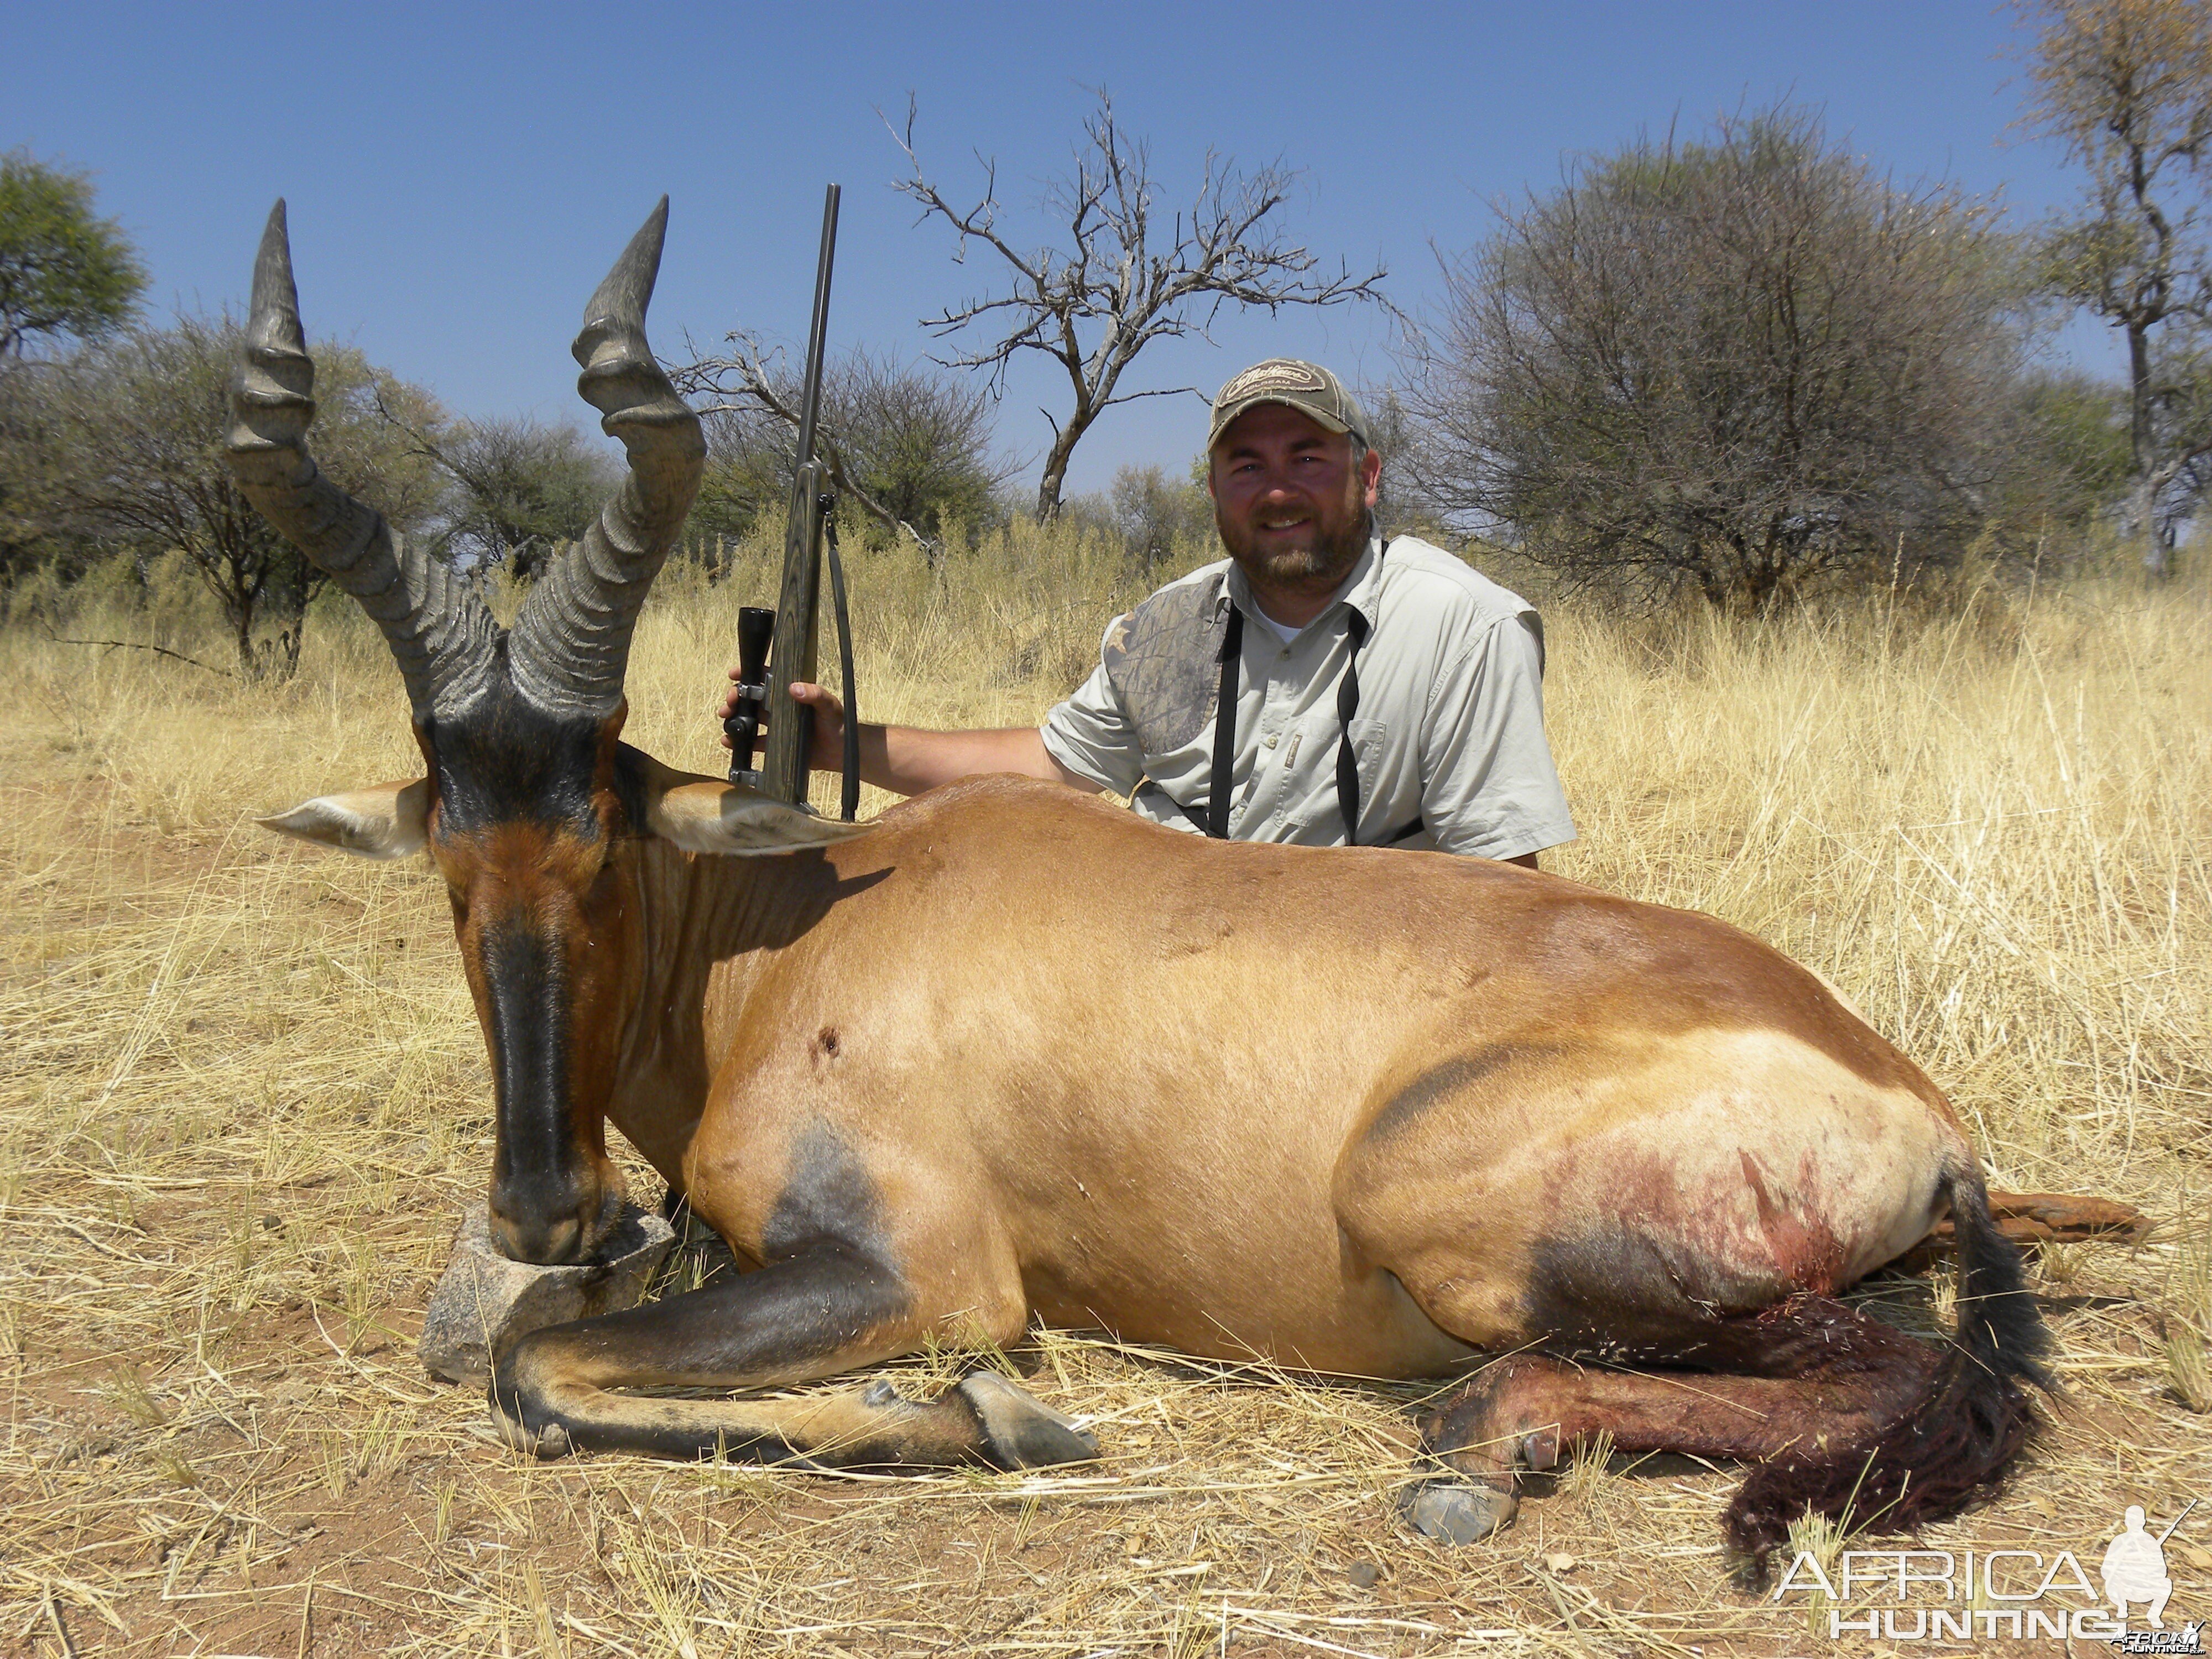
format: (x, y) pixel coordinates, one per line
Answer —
(1382, 692)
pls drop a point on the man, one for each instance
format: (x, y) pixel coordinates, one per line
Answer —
(1383, 693)
(2135, 1570)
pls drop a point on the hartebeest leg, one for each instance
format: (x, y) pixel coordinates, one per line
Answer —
(795, 1321)
(1802, 1376)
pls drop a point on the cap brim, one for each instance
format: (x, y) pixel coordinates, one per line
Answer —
(1223, 422)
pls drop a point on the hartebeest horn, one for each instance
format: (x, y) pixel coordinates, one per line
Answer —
(570, 642)
(437, 627)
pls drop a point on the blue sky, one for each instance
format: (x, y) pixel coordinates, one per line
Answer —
(460, 176)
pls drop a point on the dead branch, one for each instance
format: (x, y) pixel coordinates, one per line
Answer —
(134, 645)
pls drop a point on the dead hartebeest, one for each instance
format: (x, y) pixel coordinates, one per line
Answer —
(1009, 1052)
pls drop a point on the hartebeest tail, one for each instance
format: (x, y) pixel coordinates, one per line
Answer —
(1975, 1413)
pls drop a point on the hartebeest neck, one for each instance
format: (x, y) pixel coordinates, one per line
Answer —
(709, 924)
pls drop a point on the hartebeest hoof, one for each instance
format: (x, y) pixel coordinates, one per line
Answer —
(1020, 1432)
(1456, 1512)
(549, 1441)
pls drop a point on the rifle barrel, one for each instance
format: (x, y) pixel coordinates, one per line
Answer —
(2177, 1520)
(817, 334)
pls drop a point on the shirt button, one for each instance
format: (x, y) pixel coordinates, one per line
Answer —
(1270, 743)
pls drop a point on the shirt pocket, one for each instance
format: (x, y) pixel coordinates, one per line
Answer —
(1370, 740)
(1317, 762)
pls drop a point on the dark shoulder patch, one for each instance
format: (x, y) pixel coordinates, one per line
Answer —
(828, 1198)
(1163, 661)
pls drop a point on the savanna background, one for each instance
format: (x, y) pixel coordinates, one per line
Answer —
(1878, 624)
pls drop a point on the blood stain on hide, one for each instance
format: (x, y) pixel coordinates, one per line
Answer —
(1805, 1248)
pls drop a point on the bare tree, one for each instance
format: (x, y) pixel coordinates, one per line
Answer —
(907, 447)
(2126, 85)
(1117, 284)
(1743, 363)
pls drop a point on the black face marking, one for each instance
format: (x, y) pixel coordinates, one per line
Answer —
(505, 760)
(825, 1041)
(828, 1198)
(540, 1179)
(528, 991)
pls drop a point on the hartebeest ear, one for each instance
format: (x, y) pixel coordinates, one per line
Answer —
(705, 815)
(385, 821)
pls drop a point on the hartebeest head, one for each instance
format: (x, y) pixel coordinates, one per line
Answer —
(530, 798)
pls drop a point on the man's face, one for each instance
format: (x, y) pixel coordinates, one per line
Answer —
(1291, 506)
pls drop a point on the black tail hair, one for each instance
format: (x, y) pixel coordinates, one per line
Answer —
(1930, 1460)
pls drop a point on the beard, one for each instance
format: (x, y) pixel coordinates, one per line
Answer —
(1320, 565)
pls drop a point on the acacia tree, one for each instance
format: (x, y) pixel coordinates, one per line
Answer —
(909, 448)
(135, 429)
(1122, 278)
(64, 269)
(519, 490)
(1742, 363)
(2126, 85)
(64, 273)
(1156, 515)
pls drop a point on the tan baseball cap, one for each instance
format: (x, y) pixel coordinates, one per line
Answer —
(1307, 387)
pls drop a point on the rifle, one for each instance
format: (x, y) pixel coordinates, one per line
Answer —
(810, 529)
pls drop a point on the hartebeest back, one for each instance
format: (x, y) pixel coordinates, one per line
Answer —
(1010, 1052)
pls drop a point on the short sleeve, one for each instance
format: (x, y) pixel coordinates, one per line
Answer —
(1091, 736)
(1488, 783)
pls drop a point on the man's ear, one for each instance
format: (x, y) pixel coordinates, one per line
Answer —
(385, 821)
(705, 815)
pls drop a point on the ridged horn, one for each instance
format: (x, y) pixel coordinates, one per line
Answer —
(439, 630)
(570, 642)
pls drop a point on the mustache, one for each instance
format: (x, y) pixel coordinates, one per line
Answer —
(1325, 555)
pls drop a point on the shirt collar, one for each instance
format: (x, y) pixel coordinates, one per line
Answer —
(1361, 589)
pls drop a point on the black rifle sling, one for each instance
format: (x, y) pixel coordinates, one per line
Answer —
(1347, 705)
(1224, 725)
(848, 800)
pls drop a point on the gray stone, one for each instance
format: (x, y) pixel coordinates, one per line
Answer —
(486, 1301)
(1455, 1513)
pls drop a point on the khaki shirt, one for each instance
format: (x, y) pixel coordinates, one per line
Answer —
(1449, 731)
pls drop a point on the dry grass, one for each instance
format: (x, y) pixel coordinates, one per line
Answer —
(245, 1104)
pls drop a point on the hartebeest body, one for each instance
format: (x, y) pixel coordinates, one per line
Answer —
(1010, 1053)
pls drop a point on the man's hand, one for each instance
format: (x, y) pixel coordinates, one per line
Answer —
(907, 760)
(826, 752)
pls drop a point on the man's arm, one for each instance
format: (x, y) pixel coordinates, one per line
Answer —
(1489, 786)
(907, 759)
